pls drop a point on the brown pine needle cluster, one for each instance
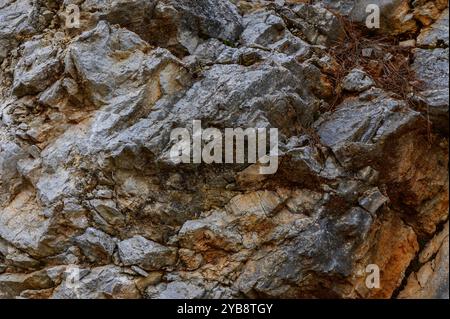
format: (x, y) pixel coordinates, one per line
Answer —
(379, 56)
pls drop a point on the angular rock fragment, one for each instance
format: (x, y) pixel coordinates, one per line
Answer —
(267, 30)
(209, 233)
(98, 283)
(175, 290)
(131, 14)
(145, 253)
(93, 206)
(431, 281)
(431, 68)
(396, 15)
(427, 12)
(18, 19)
(10, 179)
(283, 271)
(359, 128)
(128, 81)
(15, 258)
(273, 98)
(395, 248)
(37, 69)
(249, 221)
(121, 55)
(357, 81)
(315, 23)
(11, 285)
(96, 245)
(187, 21)
(177, 25)
(22, 225)
(108, 211)
(372, 200)
(436, 34)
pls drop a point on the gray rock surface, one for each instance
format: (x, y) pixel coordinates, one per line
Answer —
(145, 253)
(178, 25)
(431, 281)
(96, 245)
(395, 15)
(92, 205)
(357, 81)
(267, 29)
(317, 24)
(98, 283)
(436, 34)
(19, 18)
(431, 67)
(175, 290)
(37, 69)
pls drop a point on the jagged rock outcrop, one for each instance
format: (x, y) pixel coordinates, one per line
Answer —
(179, 25)
(431, 280)
(92, 204)
(20, 19)
(431, 67)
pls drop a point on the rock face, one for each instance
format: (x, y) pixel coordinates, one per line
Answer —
(357, 81)
(96, 245)
(92, 204)
(19, 19)
(176, 24)
(431, 280)
(37, 69)
(431, 65)
(145, 253)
